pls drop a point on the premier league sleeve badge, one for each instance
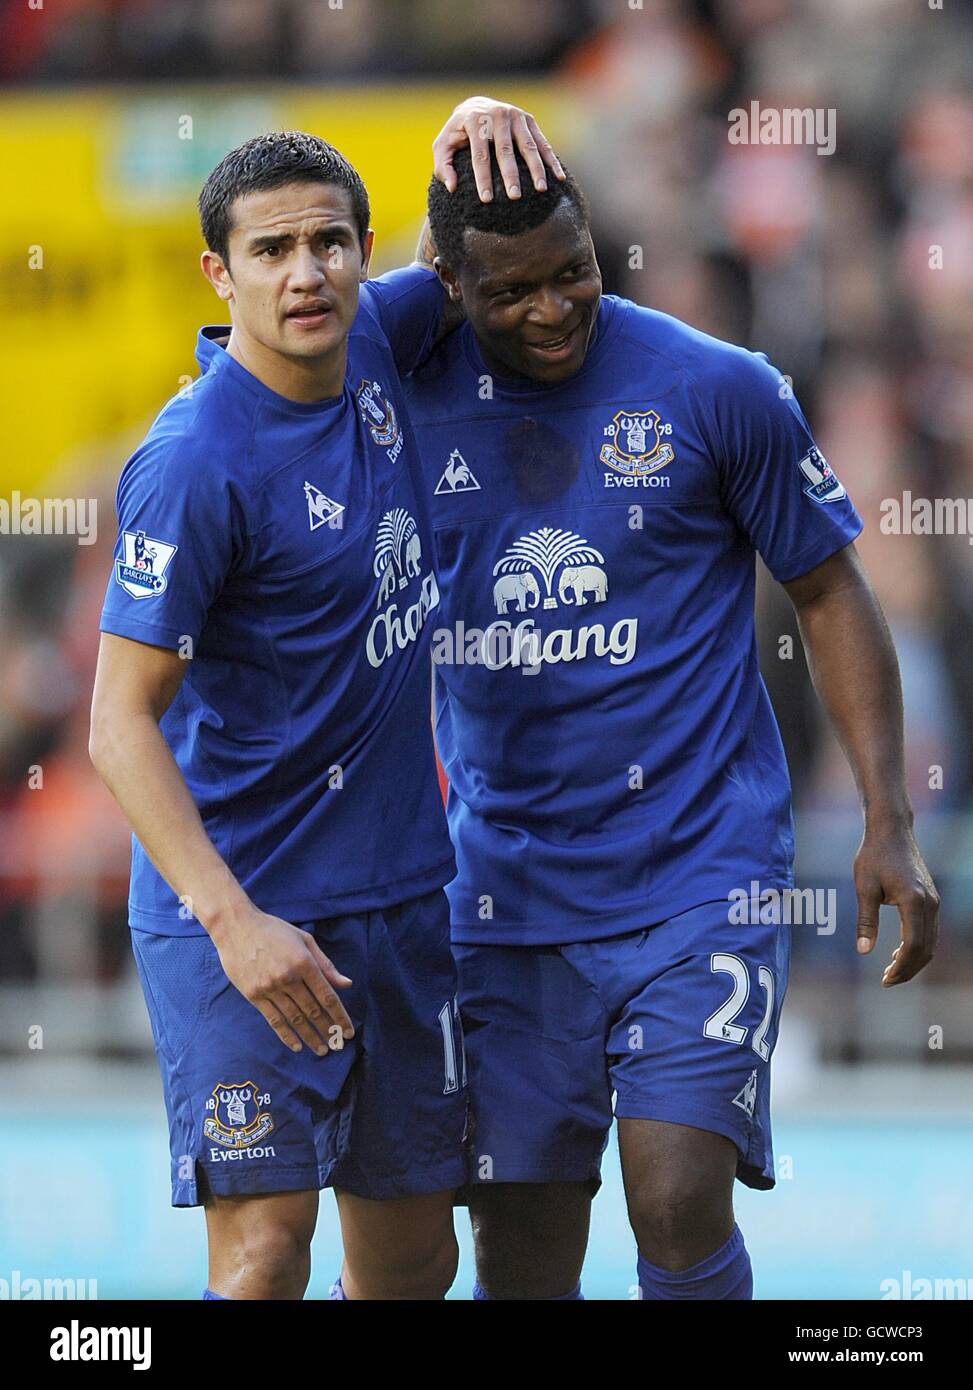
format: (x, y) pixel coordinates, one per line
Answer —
(142, 569)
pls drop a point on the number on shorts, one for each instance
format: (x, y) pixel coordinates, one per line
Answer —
(760, 1044)
(721, 1025)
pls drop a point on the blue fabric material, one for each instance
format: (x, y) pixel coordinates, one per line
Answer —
(679, 1020)
(380, 1115)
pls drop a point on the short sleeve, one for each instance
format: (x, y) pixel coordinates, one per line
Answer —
(408, 305)
(776, 483)
(178, 539)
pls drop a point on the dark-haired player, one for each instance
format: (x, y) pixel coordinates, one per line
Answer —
(261, 715)
(601, 477)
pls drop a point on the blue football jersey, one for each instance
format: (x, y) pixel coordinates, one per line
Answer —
(612, 755)
(285, 548)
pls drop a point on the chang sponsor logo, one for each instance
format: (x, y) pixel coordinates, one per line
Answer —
(397, 565)
(542, 571)
(503, 644)
(560, 560)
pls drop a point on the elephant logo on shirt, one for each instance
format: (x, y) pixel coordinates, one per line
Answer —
(568, 568)
(516, 589)
(413, 556)
(546, 569)
(387, 587)
(398, 552)
(398, 565)
(582, 580)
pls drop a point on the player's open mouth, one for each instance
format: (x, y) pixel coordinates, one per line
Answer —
(555, 349)
(310, 315)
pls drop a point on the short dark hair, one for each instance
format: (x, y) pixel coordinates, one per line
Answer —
(452, 214)
(270, 161)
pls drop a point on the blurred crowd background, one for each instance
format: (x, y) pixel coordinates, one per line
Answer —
(824, 263)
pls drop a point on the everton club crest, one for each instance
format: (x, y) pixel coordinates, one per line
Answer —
(237, 1114)
(379, 415)
(636, 443)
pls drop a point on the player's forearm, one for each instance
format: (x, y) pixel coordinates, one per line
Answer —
(136, 764)
(856, 674)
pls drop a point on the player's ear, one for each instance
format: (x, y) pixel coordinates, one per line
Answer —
(217, 273)
(366, 254)
(448, 279)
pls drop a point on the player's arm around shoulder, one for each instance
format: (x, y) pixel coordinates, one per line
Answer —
(855, 671)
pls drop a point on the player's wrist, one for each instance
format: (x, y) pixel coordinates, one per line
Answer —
(884, 814)
(222, 914)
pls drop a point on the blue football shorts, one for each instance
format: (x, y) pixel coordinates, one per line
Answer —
(678, 1020)
(383, 1116)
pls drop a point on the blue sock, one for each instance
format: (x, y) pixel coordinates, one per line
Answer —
(726, 1274)
(208, 1293)
(337, 1291)
(575, 1294)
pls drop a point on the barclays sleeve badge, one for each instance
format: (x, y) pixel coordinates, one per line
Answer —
(823, 483)
(142, 569)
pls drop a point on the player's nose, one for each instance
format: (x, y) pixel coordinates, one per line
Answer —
(550, 309)
(308, 272)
